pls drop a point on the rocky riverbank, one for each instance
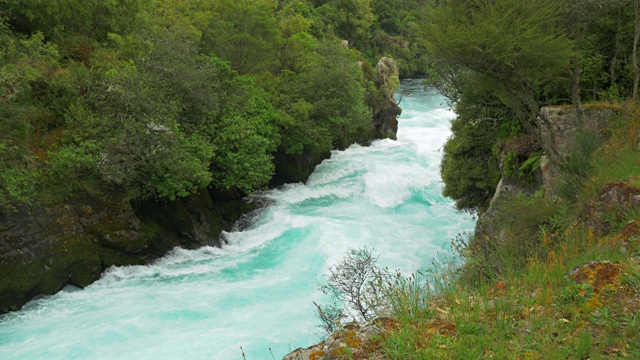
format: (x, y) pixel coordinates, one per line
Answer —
(44, 248)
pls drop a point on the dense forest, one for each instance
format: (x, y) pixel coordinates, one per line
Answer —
(158, 99)
(500, 62)
(149, 102)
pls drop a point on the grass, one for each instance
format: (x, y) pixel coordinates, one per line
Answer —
(559, 291)
(538, 312)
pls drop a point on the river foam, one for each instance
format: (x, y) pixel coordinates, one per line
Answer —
(257, 291)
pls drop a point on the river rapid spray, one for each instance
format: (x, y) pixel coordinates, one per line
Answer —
(257, 291)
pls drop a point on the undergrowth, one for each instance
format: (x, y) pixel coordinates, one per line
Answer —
(552, 288)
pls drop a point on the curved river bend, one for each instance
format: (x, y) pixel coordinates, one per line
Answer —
(257, 291)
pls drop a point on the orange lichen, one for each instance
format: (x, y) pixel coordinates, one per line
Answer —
(603, 277)
(316, 355)
(630, 230)
(352, 340)
(600, 275)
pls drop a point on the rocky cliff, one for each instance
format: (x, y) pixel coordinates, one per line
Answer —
(386, 112)
(559, 128)
(44, 248)
(292, 168)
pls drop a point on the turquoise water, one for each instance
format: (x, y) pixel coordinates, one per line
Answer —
(257, 292)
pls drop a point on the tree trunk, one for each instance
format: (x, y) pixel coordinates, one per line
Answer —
(636, 68)
(576, 73)
(614, 60)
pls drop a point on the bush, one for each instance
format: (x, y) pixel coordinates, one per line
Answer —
(359, 290)
(579, 167)
(514, 239)
(469, 167)
(356, 283)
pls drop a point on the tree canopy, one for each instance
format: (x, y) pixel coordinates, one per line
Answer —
(508, 58)
(160, 99)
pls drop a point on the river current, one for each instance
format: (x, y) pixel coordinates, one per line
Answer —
(257, 291)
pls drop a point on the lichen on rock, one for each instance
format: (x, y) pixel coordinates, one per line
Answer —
(352, 341)
(612, 202)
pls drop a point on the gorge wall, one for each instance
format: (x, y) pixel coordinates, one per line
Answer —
(559, 128)
(44, 248)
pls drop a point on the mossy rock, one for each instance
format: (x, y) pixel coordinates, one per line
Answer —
(295, 168)
(45, 249)
(113, 224)
(194, 221)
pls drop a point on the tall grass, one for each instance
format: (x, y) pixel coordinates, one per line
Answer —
(513, 297)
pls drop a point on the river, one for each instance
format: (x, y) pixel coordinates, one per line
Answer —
(257, 291)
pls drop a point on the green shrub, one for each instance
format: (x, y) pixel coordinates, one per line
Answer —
(580, 166)
(518, 221)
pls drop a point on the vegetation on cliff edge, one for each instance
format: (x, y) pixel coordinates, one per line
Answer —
(161, 99)
(555, 286)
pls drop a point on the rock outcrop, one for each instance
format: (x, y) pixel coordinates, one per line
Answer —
(560, 125)
(559, 128)
(386, 111)
(612, 203)
(42, 249)
(354, 339)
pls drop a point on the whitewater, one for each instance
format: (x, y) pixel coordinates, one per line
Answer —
(255, 294)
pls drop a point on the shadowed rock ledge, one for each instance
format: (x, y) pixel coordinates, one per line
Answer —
(44, 248)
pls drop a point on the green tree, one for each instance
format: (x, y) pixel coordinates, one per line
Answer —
(469, 168)
(349, 19)
(26, 63)
(60, 18)
(325, 102)
(517, 45)
(246, 136)
(168, 124)
(245, 33)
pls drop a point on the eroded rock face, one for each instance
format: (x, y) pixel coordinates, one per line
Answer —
(612, 202)
(508, 187)
(559, 129)
(387, 111)
(44, 248)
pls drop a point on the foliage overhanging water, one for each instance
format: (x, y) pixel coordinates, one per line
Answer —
(257, 292)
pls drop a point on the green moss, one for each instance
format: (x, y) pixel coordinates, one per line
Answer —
(291, 168)
(111, 257)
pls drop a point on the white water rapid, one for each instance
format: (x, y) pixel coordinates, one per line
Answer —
(257, 291)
